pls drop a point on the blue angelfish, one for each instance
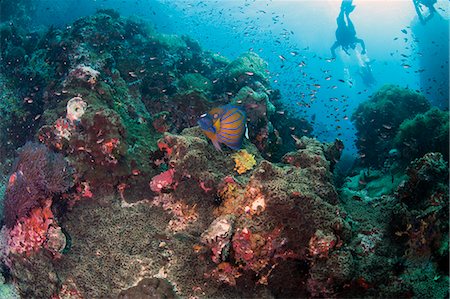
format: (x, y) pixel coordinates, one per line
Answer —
(225, 124)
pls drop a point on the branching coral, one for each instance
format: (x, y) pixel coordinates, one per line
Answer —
(183, 215)
(218, 236)
(321, 243)
(162, 181)
(28, 234)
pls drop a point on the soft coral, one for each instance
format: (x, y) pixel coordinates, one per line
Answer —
(38, 174)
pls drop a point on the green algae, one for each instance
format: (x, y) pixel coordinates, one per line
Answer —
(141, 137)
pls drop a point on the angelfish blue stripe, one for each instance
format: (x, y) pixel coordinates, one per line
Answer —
(226, 125)
(229, 134)
(231, 114)
(226, 139)
(231, 138)
(230, 129)
(239, 119)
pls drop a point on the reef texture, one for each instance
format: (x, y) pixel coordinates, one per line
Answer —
(122, 195)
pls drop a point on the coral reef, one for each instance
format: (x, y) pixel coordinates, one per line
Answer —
(423, 220)
(125, 197)
(400, 230)
(245, 70)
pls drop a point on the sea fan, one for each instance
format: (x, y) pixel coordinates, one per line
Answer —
(37, 174)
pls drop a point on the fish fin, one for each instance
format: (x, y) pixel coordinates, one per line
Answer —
(216, 144)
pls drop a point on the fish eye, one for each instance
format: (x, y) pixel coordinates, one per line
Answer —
(216, 115)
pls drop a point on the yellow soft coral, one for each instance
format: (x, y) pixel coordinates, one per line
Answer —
(244, 161)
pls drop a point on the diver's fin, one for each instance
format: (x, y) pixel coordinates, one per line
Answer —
(350, 8)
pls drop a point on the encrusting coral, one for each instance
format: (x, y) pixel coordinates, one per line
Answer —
(244, 161)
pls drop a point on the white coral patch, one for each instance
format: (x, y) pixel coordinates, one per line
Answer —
(76, 107)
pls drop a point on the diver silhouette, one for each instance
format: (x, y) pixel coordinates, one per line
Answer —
(346, 33)
(365, 72)
(429, 4)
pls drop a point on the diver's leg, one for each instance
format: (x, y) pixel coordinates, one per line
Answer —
(350, 26)
(333, 49)
(418, 7)
(341, 20)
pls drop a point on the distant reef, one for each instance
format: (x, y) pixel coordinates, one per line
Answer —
(397, 121)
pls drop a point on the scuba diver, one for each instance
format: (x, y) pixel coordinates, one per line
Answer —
(429, 4)
(345, 33)
(365, 72)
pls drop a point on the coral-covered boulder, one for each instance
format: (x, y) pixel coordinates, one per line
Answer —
(426, 132)
(247, 69)
(426, 176)
(377, 120)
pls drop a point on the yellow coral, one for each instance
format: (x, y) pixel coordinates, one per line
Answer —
(244, 161)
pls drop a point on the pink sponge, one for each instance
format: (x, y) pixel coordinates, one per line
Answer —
(30, 233)
(162, 180)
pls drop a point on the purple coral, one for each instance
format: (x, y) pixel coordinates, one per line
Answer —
(37, 174)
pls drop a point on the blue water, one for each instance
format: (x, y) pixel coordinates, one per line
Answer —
(295, 37)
